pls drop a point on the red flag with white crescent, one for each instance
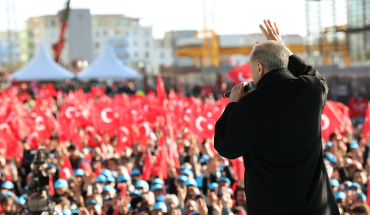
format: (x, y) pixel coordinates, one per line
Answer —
(242, 73)
(330, 120)
(66, 169)
(106, 116)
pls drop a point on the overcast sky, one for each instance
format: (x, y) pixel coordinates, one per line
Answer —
(232, 16)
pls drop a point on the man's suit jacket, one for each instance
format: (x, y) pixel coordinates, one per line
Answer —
(277, 130)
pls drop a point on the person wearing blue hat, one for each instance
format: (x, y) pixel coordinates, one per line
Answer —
(93, 205)
(142, 186)
(181, 179)
(204, 159)
(356, 187)
(79, 172)
(330, 158)
(7, 186)
(213, 186)
(188, 173)
(66, 212)
(101, 179)
(108, 191)
(199, 180)
(340, 197)
(135, 176)
(334, 184)
(75, 212)
(159, 208)
(353, 145)
(361, 198)
(106, 172)
(60, 187)
(157, 189)
(191, 182)
(124, 179)
(19, 203)
(160, 198)
(135, 194)
(329, 144)
(224, 182)
(111, 181)
(157, 181)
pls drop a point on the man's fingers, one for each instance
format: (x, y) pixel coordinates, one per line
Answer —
(265, 32)
(277, 30)
(271, 26)
(269, 29)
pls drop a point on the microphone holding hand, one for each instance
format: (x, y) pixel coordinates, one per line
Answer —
(239, 91)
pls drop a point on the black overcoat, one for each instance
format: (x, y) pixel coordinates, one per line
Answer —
(277, 130)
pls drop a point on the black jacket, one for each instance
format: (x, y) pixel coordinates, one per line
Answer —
(277, 130)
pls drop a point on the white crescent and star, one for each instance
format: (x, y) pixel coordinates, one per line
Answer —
(198, 121)
(104, 117)
(38, 125)
(241, 78)
(326, 122)
(68, 112)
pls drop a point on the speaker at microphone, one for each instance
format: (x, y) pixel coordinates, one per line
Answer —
(248, 87)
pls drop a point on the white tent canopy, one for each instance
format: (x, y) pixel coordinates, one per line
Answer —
(108, 66)
(43, 68)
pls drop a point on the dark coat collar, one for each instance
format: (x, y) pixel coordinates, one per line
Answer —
(275, 76)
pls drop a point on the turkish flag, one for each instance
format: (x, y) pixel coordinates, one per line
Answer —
(24, 96)
(366, 130)
(66, 169)
(361, 107)
(242, 73)
(147, 168)
(106, 116)
(172, 151)
(161, 91)
(69, 111)
(42, 124)
(330, 120)
(202, 125)
(47, 92)
(124, 138)
(160, 166)
(343, 111)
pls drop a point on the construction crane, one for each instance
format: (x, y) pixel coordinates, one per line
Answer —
(64, 24)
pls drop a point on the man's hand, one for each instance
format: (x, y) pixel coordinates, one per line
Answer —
(272, 33)
(237, 93)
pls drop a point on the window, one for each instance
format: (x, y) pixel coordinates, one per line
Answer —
(135, 43)
(95, 22)
(147, 44)
(97, 45)
(104, 22)
(134, 32)
(115, 22)
(162, 44)
(124, 22)
(135, 54)
(147, 33)
(120, 44)
(162, 55)
(118, 33)
(96, 33)
(147, 54)
(121, 54)
(105, 33)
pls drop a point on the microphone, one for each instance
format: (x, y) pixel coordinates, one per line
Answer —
(250, 86)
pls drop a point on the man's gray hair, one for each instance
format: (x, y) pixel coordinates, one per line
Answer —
(271, 54)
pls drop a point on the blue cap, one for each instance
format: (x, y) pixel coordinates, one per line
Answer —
(362, 195)
(182, 178)
(191, 181)
(340, 195)
(334, 182)
(66, 212)
(195, 213)
(222, 168)
(135, 192)
(160, 198)
(160, 206)
(135, 172)
(111, 179)
(60, 183)
(124, 178)
(331, 158)
(25, 188)
(356, 185)
(361, 120)
(51, 166)
(9, 194)
(101, 179)
(204, 159)
(24, 196)
(157, 187)
(213, 186)
(329, 144)
(106, 198)
(93, 202)
(79, 172)
(224, 179)
(75, 211)
(89, 187)
(106, 172)
(199, 180)
(187, 172)
(353, 144)
(108, 188)
(7, 185)
(182, 167)
(157, 181)
(20, 201)
(142, 184)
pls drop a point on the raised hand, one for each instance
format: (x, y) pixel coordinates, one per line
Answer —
(272, 33)
(203, 209)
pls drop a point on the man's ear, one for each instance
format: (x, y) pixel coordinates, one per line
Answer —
(260, 69)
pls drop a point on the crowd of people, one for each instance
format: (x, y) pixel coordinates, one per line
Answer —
(106, 182)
